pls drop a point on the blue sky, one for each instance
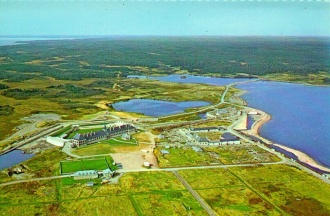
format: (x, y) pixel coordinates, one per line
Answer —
(165, 18)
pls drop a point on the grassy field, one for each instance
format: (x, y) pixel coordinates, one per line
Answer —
(82, 131)
(289, 188)
(183, 157)
(106, 147)
(259, 190)
(147, 193)
(235, 154)
(84, 164)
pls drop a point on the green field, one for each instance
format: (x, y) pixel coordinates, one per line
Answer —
(232, 154)
(84, 164)
(104, 147)
(82, 131)
(261, 190)
(258, 190)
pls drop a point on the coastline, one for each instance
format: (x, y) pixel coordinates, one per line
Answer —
(302, 157)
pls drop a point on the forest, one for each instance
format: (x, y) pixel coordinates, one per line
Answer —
(220, 56)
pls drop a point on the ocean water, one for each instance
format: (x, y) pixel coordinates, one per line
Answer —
(300, 115)
(4, 41)
(156, 108)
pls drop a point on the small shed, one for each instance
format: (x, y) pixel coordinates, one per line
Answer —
(126, 136)
(108, 172)
(146, 164)
(197, 149)
(164, 152)
(90, 184)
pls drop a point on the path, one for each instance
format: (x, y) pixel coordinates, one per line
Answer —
(195, 194)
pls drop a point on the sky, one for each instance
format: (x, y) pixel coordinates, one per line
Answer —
(173, 18)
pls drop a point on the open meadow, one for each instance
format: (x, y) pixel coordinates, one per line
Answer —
(231, 154)
(258, 190)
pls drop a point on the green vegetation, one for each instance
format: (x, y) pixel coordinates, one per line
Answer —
(183, 157)
(235, 154)
(62, 131)
(82, 131)
(285, 187)
(321, 78)
(84, 164)
(261, 190)
(103, 58)
(104, 147)
(258, 190)
(6, 110)
(147, 193)
(3, 86)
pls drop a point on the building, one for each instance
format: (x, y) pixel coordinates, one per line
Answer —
(203, 141)
(126, 136)
(108, 173)
(197, 149)
(206, 129)
(164, 152)
(105, 133)
(57, 141)
(146, 164)
(228, 139)
(86, 174)
(90, 184)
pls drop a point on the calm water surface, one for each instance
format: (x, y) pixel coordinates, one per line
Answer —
(12, 158)
(300, 115)
(156, 108)
(194, 79)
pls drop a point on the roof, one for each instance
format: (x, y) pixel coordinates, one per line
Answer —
(107, 171)
(78, 136)
(203, 139)
(85, 172)
(228, 137)
(103, 132)
(164, 151)
(205, 128)
(196, 149)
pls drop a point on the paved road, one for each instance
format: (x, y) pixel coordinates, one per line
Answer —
(195, 194)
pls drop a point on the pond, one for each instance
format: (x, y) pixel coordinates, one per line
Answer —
(156, 108)
(12, 158)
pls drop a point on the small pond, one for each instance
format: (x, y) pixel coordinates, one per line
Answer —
(12, 158)
(156, 108)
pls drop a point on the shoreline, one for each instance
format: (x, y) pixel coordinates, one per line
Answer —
(302, 157)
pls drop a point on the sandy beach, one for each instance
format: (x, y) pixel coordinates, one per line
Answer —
(300, 155)
(303, 157)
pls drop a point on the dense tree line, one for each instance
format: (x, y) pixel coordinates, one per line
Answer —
(67, 91)
(219, 55)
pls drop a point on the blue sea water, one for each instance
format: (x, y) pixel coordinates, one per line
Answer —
(156, 108)
(300, 115)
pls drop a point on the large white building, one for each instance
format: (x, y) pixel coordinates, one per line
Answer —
(56, 141)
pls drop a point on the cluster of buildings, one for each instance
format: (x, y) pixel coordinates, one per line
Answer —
(107, 132)
(225, 139)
